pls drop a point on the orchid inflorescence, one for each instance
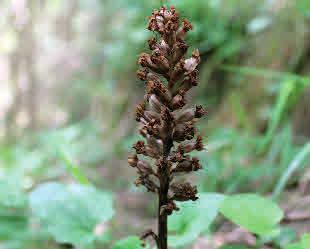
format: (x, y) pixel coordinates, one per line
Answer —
(165, 121)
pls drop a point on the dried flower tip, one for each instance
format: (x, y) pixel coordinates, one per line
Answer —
(178, 101)
(188, 165)
(133, 160)
(160, 61)
(167, 116)
(142, 74)
(195, 163)
(190, 81)
(159, 90)
(146, 61)
(199, 143)
(178, 71)
(140, 111)
(169, 208)
(152, 43)
(179, 50)
(183, 132)
(139, 147)
(153, 127)
(184, 192)
(200, 112)
(143, 131)
(186, 26)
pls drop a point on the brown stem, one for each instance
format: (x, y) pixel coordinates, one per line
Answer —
(163, 198)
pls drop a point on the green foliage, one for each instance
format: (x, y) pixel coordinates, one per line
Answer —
(290, 91)
(233, 247)
(287, 235)
(73, 213)
(74, 169)
(194, 219)
(256, 214)
(14, 217)
(132, 242)
(303, 244)
(292, 167)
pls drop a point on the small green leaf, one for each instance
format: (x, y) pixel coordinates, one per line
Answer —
(75, 214)
(255, 213)
(193, 219)
(132, 242)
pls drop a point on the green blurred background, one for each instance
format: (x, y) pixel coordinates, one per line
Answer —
(68, 90)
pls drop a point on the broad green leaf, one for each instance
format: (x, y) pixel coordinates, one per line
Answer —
(257, 214)
(75, 214)
(193, 219)
(132, 242)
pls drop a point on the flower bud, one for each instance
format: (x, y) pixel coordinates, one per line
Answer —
(186, 115)
(178, 101)
(184, 192)
(133, 160)
(186, 26)
(191, 63)
(140, 111)
(160, 61)
(179, 50)
(139, 147)
(200, 112)
(146, 61)
(183, 132)
(178, 71)
(188, 165)
(155, 105)
(159, 90)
